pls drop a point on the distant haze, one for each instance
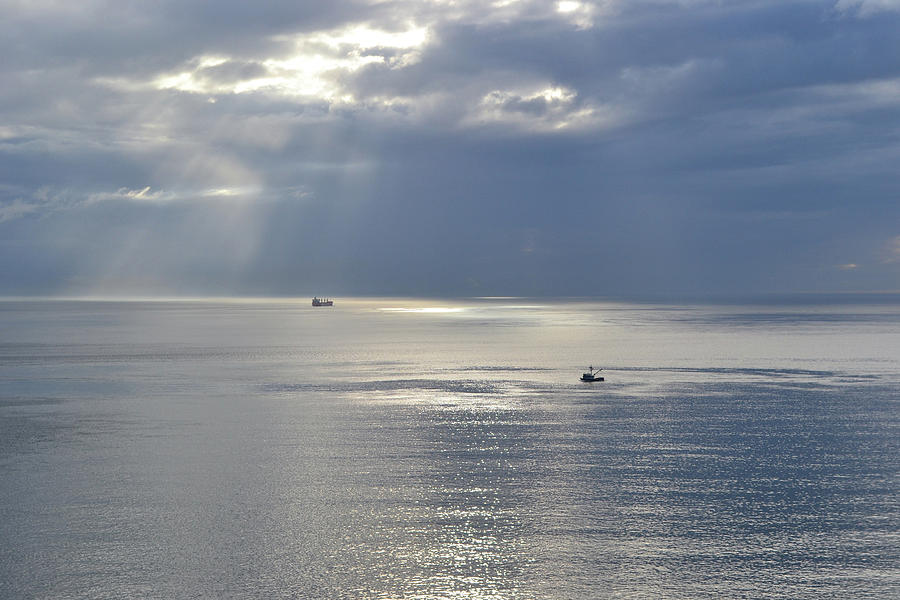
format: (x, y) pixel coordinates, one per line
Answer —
(526, 147)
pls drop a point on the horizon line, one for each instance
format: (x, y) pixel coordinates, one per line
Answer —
(724, 297)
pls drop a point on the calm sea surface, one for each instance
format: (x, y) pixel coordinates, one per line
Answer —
(412, 449)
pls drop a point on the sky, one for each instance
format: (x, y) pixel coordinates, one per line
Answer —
(449, 147)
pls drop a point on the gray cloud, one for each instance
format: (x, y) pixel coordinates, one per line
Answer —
(435, 148)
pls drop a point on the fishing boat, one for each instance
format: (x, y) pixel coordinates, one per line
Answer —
(591, 375)
(322, 302)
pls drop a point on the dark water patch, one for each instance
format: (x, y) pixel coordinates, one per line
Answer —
(28, 401)
(23, 433)
(111, 354)
(767, 387)
(367, 363)
(754, 372)
(730, 370)
(788, 318)
(392, 385)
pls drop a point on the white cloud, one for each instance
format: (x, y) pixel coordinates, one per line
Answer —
(313, 69)
(41, 201)
(15, 209)
(580, 14)
(867, 8)
(322, 67)
(145, 194)
(148, 195)
(892, 250)
(47, 200)
(872, 93)
(542, 109)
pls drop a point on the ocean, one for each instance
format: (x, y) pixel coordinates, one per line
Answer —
(425, 449)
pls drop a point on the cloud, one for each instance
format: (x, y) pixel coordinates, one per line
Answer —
(18, 203)
(311, 66)
(144, 194)
(892, 250)
(15, 209)
(580, 14)
(542, 110)
(678, 144)
(867, 8)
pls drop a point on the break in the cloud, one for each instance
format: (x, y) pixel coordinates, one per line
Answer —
(435, 147)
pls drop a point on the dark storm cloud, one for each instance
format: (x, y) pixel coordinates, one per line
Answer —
(435, 148)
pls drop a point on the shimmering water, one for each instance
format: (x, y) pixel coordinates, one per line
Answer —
(411, 449)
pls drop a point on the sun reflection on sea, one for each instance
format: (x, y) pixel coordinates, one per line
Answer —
(428, 309)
